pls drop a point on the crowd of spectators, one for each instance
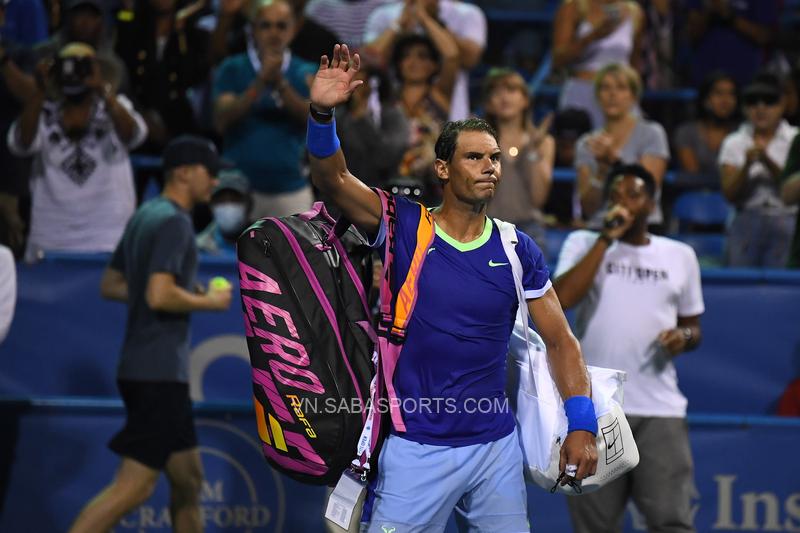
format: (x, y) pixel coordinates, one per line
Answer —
(238, 72)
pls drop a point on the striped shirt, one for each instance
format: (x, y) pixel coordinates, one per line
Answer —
(347, 19)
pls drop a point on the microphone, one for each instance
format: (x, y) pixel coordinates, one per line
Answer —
(613, 222)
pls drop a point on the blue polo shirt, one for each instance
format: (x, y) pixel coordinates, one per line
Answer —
(267, 144)
(451, 374)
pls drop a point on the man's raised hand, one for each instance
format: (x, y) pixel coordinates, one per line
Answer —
(334, 81)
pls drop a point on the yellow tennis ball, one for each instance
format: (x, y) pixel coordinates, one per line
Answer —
(220, 283)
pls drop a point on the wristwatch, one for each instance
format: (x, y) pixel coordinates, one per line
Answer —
(687, 334)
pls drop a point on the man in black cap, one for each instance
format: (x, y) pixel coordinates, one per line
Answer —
(751, 160)
(153, 269)
(231, 203)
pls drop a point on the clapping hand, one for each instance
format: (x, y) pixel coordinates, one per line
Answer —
(600, 144)
(334, 82)
(271, 62)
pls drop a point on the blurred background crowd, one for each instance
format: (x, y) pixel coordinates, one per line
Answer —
(704, 93)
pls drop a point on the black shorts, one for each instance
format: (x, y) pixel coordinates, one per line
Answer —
(159, 422)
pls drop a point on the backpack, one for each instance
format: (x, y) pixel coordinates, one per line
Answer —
(318, 374)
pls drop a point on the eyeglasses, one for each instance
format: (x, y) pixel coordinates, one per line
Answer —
(281, 25)
(768, 99)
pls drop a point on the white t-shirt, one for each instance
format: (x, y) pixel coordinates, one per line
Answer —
(82, 192)
(465, 21)
(8, 290)
(764, 195)
(638, 292)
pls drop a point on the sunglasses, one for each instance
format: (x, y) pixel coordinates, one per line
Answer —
(766, 99)
(281, 25)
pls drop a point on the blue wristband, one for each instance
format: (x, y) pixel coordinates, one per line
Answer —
(321, 139)
(580, 414)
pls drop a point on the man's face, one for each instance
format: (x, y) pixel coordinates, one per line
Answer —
(85, 25)
(273, 27)
(764, 111)
(631, 193)
(473, 172)
(201, 183)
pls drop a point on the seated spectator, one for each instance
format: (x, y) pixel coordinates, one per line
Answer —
(790, 194)
(426, 69)
(82, 183)
(230, 204)
(373, 130)
(751, 160)
(347, 19)
(229, 36)
(441, 20)
(697, 142)
(527, 153)
(587, 36)
(260, 108)
(165, 54)
(626, 138)
(84, 22)
(568, 126)
(730, 36)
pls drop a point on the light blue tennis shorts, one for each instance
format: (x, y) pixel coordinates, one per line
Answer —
(419, 485)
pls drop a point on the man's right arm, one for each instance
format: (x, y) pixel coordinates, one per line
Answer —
(27, 125)
(333, 86)
(573, 285)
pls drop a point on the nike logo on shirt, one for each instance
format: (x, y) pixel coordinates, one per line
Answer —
(430, 250)
(493, 264)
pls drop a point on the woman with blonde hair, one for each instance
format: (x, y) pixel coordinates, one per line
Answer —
(626, 138)
(527, 153)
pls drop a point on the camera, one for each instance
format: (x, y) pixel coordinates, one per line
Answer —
(71, 72)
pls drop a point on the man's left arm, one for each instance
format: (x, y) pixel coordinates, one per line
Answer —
(686, 336)
(571, 378)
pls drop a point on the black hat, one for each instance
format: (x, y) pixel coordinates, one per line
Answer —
(191, 150)
(97, 4)
(233, 180)
(764, 84)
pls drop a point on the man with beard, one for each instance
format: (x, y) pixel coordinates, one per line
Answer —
(81, 183)
(638, 303)
(260, 102)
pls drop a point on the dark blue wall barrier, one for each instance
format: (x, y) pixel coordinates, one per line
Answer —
(745, 474)
(65, 339)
